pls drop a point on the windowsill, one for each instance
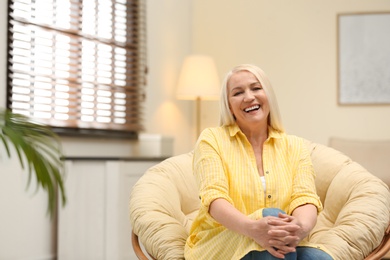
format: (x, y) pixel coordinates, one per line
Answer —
(127, 159)
(147, 146)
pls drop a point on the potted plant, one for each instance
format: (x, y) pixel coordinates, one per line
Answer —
(38, 148)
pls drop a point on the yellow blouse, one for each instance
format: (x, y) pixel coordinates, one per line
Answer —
(225, 167)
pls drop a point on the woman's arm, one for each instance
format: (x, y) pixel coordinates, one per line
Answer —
(227, 215)
(306, 218)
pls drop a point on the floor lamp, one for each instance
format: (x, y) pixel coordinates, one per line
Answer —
(198, 81)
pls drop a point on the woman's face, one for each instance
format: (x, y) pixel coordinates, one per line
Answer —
(247, 100)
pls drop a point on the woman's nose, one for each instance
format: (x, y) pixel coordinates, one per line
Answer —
(248, 96)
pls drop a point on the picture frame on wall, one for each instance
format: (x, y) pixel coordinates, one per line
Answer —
(363, 58)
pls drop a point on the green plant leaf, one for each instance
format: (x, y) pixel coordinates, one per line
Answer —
(40, 147)
(5, 145)
(16, 141)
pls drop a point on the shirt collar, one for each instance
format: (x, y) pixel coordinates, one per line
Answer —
(272, 133)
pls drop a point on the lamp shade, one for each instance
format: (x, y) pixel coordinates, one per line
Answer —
(198, 78)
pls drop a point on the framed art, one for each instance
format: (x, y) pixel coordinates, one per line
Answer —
(364, 58)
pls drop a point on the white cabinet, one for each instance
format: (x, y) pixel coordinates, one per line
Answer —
(94, 224)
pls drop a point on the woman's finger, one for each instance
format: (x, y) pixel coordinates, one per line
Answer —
(273, 251)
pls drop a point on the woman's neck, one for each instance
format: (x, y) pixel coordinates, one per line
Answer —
(256, 136)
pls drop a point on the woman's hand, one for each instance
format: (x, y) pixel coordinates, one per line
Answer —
(304, 217)
(286, 230)
(274, 234)
(278, 235)
(225, 213)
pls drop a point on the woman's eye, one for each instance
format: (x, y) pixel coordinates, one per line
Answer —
(257, 86)
(237, 93)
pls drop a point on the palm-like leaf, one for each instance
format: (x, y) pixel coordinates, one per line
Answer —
(40, 148)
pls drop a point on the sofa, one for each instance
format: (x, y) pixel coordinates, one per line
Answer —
(353, 225)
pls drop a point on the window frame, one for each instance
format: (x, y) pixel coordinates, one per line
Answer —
(139, 87)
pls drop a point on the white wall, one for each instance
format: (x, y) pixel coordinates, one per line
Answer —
(295, 42)
(26, 229)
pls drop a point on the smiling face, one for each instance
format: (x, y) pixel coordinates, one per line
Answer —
(247, 100)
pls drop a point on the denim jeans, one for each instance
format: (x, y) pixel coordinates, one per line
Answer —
(302, 252)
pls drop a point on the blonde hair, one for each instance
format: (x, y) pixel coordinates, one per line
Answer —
(274, 118)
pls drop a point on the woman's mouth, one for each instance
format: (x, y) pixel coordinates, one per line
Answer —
(252, 108)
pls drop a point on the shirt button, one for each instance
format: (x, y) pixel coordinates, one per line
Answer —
(269, 196)
(267, 172)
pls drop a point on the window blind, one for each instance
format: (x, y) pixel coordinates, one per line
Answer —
(78, 65)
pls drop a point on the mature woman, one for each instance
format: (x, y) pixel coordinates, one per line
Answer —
(256, 183)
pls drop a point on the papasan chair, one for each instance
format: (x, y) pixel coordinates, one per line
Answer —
(353, 225)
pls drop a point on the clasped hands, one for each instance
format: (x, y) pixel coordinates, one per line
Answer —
(279, 235)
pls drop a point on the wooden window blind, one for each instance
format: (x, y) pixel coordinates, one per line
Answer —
(78, 65)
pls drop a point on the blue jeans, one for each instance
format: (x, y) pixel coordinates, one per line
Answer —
(302, 252)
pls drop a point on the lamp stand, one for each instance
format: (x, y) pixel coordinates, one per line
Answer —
(198, 99)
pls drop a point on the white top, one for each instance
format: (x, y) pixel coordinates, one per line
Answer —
(263, 182)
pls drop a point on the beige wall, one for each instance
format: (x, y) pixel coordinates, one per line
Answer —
(295, 42)
(169, 41)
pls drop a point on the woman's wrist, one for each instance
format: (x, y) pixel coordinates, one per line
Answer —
(248, 227)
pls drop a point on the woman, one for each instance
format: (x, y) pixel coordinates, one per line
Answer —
(257, 191)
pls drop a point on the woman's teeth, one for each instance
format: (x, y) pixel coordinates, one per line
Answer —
(249, 109)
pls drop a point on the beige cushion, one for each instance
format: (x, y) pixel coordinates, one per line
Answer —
(164, 202)
(374, 155)
(356, 205)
